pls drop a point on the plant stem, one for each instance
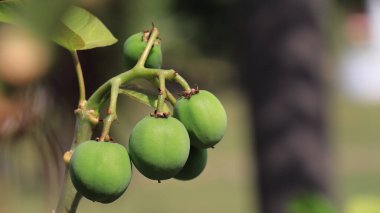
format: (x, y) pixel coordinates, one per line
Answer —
(152, 38)
(78, 68)
(181, 81)
(70, 198)
(102, 94)
(162, 93)
(171, 97)
(111, 112)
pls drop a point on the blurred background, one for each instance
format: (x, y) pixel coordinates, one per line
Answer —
(299, 80)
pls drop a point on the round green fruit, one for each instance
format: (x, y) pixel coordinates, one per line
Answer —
(159, 147)
(100, 171)
(134, 46)
(195, 164)
(204, 118)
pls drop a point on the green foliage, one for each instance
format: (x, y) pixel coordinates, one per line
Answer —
(100, 171)
(159, 147)
(81, 30)
(76, 30)
(310, 203)
(204, 118)
(9, 11)
(195, 164)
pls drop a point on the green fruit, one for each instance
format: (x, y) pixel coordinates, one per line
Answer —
(134, 46)
(100, 171)
(195, 164)
(204, 118)
(159, 147)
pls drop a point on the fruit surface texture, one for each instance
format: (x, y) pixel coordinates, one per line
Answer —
(204, 118)
(195, 164)
(134, 46)
(100, 171)
(159, 147)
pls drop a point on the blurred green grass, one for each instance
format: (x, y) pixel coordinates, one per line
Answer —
(355, 136)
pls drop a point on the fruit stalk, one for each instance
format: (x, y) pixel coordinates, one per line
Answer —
(169, 95)
(152, 38)
(162, 93)
(111, 112)
(102, 94)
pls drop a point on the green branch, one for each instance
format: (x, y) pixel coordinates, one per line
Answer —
(102, 94)
(169, 95)
(162, 93)
(152, 38)
(111, 112)
(70, 198)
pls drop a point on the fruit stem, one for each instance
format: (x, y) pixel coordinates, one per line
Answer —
(111, 112)
(152, 38)
(81, 84)
(181, 81)
(162, 93)
(102, 94)
(171, 97)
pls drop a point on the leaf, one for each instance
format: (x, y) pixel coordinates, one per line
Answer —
(143, 96)
(9, 11)
(81, 30)
(78, 29)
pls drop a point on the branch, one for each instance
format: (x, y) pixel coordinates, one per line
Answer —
(152, 38)
(111, 112)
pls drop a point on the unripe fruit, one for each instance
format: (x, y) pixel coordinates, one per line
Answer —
(100, 171)
(159, 147)
(134, 46)
(204, 118)
(195, 164)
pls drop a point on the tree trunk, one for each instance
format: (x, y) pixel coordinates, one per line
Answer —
(281, 59)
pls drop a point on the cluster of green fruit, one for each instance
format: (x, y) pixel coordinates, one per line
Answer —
(160, 147)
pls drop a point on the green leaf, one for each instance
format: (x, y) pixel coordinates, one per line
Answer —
(143, 96)
(81, 30)
(78, 29)
(9, 11)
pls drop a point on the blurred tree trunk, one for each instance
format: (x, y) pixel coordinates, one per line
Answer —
(281, 58)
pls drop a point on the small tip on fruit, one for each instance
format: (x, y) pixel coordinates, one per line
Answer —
(67, 157)
(188, 94)
(157, 114)
(158, 181)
